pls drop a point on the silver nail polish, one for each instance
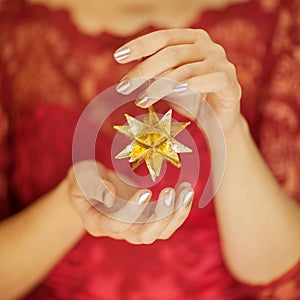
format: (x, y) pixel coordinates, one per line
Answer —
(122, 54)
(142, 100)
(107, 198)
(181, 87)
(143, 198)
(123, 86)
(188, 198)
(168, 197)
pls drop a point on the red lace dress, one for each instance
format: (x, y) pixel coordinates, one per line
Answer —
(50, 71)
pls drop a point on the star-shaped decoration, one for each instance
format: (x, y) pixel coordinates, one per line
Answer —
(153, 141)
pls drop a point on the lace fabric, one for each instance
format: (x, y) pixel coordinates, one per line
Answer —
(49, 71)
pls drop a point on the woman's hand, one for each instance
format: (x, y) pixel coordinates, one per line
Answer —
(187, 58)
(134, 220)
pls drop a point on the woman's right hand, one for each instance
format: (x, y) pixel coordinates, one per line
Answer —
(187, 66)
(136, 221)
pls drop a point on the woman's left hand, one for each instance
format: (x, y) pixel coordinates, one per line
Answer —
(109, 207)
(188, 58)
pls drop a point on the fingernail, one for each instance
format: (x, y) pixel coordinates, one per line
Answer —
(168, 197)
(123, 86)
(144, 197)
(108, 199)
(142, 100)
(122, 54)
(187, 200)
(179, 88)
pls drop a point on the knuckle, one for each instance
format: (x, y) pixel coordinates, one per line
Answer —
(203, 34)
(230, 67)
(224, 78)
(168, 35)
(139, 72)
(210, 65)
(238, 92)
(140, 45)
(185, 71)
(151, 242)
(92, 227)
(171, 53)
(116, 230)
(154, 91)
(133, 241)
(218, 50)
(165, 236)
(148, 241)
(229, 70)
(74, 190)
(145, 239)
(70, 174)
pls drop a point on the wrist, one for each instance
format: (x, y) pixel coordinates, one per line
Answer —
(239, 143)
(240, 129)
(61, 195)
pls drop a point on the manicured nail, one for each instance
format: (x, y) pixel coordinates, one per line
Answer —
(168, 197)
(187, 200)
(181, 87)
(122, 54)
(142, 100)
(144, 197)
(123, 86)
(108, 199)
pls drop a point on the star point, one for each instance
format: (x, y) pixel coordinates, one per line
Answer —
(153, 141)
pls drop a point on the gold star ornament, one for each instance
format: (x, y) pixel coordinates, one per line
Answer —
(153, 141)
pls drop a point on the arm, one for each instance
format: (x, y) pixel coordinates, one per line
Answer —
(267, 234)
(259, 223)
(35, 239)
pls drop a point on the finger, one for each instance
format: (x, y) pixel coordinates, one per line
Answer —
(132, 210)
(160, 219)
(150, 209)
(149, 44)
(168, 58)
(221, 83)
(216, 82)
(126, 187)
(164, 60)
(181, 187)
(184, 202)
(114, 224)
(190, 70)
(105, 195)
(172, 82)
(90, 185)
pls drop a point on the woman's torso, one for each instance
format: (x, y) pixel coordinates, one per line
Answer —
(50, 71)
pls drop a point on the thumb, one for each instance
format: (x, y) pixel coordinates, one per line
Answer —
(91, 184)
